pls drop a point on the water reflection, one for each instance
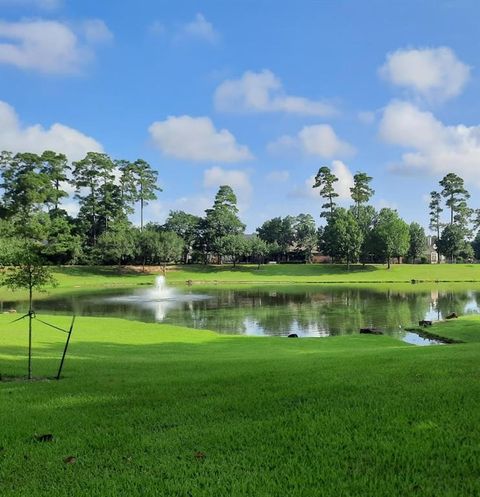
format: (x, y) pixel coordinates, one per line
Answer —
(306, 311)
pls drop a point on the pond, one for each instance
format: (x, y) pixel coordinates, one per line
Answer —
(313, 311)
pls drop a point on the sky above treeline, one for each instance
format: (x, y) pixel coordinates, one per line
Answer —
(256, 94)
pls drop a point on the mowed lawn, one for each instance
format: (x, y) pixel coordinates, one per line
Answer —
(156, 410)
(80, 279)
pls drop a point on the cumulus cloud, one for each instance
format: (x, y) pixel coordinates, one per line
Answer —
(278, 176)
(318, 140)
(196, 139)
(366, 117)
(96, 31)
(49, 47)
(263, 92)
(431, 73)
(238, 179)
(198, 29)
(433, 147)
(342, 186)
(17, 138)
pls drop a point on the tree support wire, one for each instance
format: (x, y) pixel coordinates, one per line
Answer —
(31, 315)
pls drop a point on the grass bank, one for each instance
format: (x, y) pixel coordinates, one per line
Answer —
(81, 279)
(150, 410)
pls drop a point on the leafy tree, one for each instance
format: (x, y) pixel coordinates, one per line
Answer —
(139, 183)
(418, 241)
(30, 273)
(55, 168)
(280, 233)
(90, 174)
(361, 191)
(324, 180)
(366, 216)
(456, 198)
(221, 220)
(391, 235)
(60, 245)
(234, 246)
(342, 237)
(452, 242)
(25, 188)
(305, 235)
(476, 246)
(257, 249)
(116, 244)
(435, 216)
(187, 227)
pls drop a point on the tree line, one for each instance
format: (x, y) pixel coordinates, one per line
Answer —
(34, 194)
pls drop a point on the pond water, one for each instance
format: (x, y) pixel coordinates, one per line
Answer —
(313, 311)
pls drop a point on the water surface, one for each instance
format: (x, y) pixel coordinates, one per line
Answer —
(312, 310)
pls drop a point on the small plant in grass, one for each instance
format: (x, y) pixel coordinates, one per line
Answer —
(29, 272)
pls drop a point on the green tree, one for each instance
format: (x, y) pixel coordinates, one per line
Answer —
(435, 216)
(452, 241)
(476, 246)
(221, 220)
(305, 235)
(30, 273)
(25, 188)
(391, 235)
(280, 233)
(361, 191)
(60, 245)
(234, 246)
(324, 180)
(187, 227)
(116, 244)
(418, 242)
(91, 175)
(366, 217)
(55, 167)
(342, 236)
(456, 198)
(257, 249)
(139, 183)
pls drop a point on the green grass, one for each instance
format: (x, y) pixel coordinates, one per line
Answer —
(328, 273)
(343, 416)
(81, 279)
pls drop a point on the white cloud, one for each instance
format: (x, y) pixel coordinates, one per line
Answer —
(434, 147)
(319, 140)
(263, 92)
(238, 179)
(432, 73)
(196, 139)
(198, 29)
(278, 176)
(49, 47)
(17, 138)
(342, 186)
(157, 28)
(96, 31)
(366, 117)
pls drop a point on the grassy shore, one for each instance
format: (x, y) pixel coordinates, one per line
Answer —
(156, 410)
(80, 279)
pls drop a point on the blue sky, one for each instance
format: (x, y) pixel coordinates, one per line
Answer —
(256, 94)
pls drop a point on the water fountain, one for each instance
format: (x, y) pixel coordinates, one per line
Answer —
(160, 299)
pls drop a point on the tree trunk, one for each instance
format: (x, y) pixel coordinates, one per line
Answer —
(30, 317)
(388, 262)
